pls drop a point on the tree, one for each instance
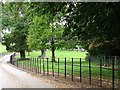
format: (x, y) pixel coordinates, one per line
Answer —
(50, 30)
(14, 20)
(37, 38)
(88, 21)
(56, 11)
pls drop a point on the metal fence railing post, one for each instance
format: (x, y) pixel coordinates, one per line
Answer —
(80, 71)
(37, 66)
(29, 64)
(47, 67)
(113, 73)
(72, 69)
(22, 64)
(53, 68)
(101, 72)
(25, 63)
(32, 64)
(40, 65)
(43, 67)
(11, 59)
(90, 71)
(118, 60)
(58, 67)
(65, 68)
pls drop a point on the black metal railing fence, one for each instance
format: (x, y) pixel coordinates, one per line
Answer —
(75, 67)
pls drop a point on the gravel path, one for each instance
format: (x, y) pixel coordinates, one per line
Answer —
(11, 77)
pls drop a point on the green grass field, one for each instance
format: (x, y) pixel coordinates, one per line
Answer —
(2, 48)
(60, 54)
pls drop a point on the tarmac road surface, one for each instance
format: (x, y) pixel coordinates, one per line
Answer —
(11, 77)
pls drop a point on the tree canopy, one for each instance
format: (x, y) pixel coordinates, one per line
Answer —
(40, 25)
(96, 25)
(46, 25)
(13, 19)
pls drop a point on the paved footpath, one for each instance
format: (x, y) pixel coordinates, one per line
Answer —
(11, 77)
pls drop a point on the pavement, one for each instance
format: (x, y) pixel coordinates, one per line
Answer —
(11, 77)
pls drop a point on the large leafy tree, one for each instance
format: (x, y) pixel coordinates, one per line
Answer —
(96, 25)
(55, 13)
(15, 21)
(47, 25)
(37, 38)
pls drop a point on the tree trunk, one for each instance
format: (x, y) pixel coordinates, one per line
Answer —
(53, 43)
(43, 53)
(53, 50)
(28, 53)
(22, 54)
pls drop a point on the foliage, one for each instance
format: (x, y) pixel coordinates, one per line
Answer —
(42, 24)
(37, 36)
(14, 20)
(96, 25)
(46, 26)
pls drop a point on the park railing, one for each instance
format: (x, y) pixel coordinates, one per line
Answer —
(77, 69)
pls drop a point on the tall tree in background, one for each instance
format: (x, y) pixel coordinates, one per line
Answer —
(96, 25)
(56, 11)
(17, 17)
(49, 26)
(37, 38)
(14, 20)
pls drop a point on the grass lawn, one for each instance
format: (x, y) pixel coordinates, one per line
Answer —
(60, 54)
(2, 48)
(95, 69)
